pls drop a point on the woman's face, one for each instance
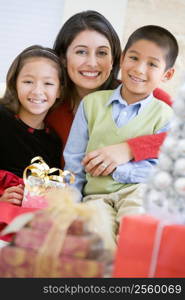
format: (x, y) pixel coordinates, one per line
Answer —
(89, 61)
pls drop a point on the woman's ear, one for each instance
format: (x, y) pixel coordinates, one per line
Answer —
(168, 74)
(63, 61)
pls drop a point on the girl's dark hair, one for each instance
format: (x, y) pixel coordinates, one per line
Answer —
(160, 36)
(10, 98)
(87, 20)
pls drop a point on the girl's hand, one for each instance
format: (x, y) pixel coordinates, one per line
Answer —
(13, 194)
(103, 161)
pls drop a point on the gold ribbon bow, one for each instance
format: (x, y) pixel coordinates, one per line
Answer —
(40, 169)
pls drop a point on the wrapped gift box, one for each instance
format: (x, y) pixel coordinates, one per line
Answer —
(82, 253)
(19, 262)
(149, 248)
(39, 178)
(76, 246)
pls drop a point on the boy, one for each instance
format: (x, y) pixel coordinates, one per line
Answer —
(109, 117)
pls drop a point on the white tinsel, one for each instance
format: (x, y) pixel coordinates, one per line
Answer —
(165, 192)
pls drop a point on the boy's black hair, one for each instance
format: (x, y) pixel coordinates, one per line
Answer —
(160, 36)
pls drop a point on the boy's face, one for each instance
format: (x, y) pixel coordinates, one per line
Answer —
(142, 70)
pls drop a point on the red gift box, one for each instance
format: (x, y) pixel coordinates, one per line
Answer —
(147, 247)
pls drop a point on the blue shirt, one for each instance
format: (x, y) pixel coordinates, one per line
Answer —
(75, 149)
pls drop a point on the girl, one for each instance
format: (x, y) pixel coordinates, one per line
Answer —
(32, 89)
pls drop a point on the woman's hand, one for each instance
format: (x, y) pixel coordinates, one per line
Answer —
(103, 161)
(13, 194)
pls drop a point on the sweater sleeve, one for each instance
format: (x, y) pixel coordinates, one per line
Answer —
(144, 147)
(148, 146)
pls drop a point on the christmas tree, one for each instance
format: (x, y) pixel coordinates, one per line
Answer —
(165, 192)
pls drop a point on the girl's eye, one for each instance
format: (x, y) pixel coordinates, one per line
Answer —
(27, 81)
(49, 83)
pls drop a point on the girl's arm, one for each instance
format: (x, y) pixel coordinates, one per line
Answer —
(13, 194)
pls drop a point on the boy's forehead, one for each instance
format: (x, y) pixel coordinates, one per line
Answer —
(150, 49)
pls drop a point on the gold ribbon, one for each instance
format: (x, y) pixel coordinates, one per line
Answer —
(40, 169)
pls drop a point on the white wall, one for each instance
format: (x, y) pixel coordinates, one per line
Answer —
(24, 23)
(113, 10)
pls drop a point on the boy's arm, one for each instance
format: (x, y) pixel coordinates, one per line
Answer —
(76, 147)
(134, 172)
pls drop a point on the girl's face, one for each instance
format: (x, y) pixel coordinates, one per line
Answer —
(89, 61)
(37, 86)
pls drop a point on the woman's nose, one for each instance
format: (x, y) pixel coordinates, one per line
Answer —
(92, 60)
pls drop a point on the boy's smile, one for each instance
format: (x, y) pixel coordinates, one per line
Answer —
(142, 70)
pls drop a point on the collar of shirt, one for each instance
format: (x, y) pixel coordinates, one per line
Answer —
(116, 97)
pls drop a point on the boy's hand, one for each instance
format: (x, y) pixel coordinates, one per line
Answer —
(103, 161)
(13, 194)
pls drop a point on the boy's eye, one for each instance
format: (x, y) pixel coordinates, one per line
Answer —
(153, 65)
(133, 57)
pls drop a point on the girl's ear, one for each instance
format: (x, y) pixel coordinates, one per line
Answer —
(168, 74)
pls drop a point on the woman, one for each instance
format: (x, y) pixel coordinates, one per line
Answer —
(90, 50)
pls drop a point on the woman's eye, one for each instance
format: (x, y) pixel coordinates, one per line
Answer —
(102, 53)
(81, 52)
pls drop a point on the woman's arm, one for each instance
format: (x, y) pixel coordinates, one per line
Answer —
(148, 146)
(137, 149)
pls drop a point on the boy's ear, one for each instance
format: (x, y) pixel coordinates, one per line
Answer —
(168, 74)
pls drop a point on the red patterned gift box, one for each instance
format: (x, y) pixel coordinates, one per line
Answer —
(56, 242)
(147, 247)
(20, 262)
